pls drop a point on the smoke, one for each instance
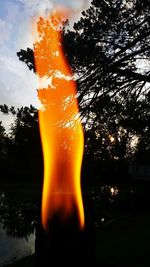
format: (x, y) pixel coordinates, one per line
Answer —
(35, 5)
(76, 6)
(40, 8)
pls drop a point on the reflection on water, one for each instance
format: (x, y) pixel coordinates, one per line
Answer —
(114, 190)
(3, 202)
(111, 202)
(18, 218)
(17, 229)
(18, 223)
(12, 248)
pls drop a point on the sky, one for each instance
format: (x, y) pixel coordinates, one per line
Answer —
(18, 85)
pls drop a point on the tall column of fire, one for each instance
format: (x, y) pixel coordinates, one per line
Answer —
(60, 127)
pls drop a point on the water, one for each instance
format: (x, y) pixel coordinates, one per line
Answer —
(17, 229)
(13, 248)
(18, 218)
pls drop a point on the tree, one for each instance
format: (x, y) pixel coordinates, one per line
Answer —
(5, 143)
(3, 137)
(122, 121)
(24, 153)
(108, 50)
(142, 153)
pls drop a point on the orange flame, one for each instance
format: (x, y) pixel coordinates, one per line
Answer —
(60, 126)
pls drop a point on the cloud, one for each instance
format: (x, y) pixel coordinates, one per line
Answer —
(18, 84)
(16, 32)
(18, 18)
(10, 19)
(12, 11)
(34, 4)
(75, 5)
(5, 30)
(36, 7)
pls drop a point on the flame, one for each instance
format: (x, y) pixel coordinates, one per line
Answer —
(60, 127)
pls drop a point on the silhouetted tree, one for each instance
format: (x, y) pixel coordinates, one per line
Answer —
(108, 50)
(2, 139)
(24, 153)
(5, 142)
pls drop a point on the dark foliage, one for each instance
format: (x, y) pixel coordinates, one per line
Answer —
(27, 57)
(108, 50)
(22, 152)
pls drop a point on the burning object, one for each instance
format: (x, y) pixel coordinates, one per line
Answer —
(62, 236)
(60, 126)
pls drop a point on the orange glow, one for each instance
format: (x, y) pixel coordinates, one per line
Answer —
(60, 126)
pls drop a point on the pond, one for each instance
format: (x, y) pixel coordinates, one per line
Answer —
(19, 214)
(17, 229)
(13, 248)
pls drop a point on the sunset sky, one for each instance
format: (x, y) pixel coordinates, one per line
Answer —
(17, 84)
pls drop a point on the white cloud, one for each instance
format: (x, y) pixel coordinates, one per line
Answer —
(9, 23)
(5, 31)
(12, 12)
(20, 83)
(34, 7)
(38, 7)
(35, 4)
(76, 5)
(17, 84)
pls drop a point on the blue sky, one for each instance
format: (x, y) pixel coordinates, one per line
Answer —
(17, 84)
